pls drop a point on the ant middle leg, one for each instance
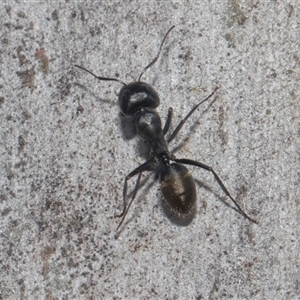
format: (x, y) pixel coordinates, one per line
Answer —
(138, 171)
(179, 126)
(221, 184)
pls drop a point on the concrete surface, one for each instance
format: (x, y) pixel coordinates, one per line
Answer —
(64, 155)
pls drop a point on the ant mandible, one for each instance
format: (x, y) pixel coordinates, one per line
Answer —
(139, 100)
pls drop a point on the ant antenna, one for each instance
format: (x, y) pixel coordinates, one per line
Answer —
(101, 78)
(139, 79)
(156, 57)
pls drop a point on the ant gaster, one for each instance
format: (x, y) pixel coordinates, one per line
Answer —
(139, 100)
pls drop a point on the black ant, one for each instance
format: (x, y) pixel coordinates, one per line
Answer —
(138, 100)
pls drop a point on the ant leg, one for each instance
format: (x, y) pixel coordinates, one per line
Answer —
(168, 121)
(179, 126)
(138, 171)
(125, 193)
(200, 165)
(126, 208)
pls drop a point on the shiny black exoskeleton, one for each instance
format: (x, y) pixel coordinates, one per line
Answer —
(139, 100)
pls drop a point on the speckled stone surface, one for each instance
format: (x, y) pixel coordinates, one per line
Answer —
(64, 152)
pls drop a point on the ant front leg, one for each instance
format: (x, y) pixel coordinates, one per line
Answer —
(168, 121)
(221, 184)
(138, 171)
(179, 126)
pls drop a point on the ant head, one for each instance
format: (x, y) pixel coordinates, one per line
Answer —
(135, 96)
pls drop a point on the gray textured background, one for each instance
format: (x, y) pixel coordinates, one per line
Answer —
(64, 156)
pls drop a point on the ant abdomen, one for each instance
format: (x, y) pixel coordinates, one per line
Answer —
(135, 96)
(178, 189)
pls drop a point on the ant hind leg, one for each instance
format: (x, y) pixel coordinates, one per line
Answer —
(221, 184)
